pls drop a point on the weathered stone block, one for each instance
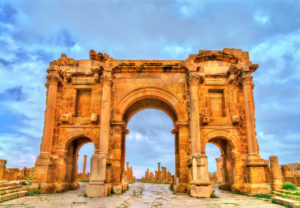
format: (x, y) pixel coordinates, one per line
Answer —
(66, 118)
(94, 117)
(201, 191)
(96, 190)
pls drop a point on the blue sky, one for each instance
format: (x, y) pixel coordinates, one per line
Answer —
(33, 33)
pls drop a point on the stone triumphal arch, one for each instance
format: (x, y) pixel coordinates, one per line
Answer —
(208, 96)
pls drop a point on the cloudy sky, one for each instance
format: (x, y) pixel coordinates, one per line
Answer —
(33, 33)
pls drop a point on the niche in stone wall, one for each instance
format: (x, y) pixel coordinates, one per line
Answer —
(216, 101)
(83, 103)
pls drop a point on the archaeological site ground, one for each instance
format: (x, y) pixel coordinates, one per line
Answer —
(209, 98)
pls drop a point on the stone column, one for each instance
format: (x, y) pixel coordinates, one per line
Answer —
(276, 174)
(249, 114)
(52, 84)
(61, 176)
(163, 174)
(84, 165)
(116, 155)
(43, 166)
(219, 169)
(182, 178)
(255, 164)
(158, 172)
(177, 162)
(97, 186)
(200, 185)
(2, 169)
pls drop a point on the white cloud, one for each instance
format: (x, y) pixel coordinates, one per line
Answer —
(260, 18)
(176, 51)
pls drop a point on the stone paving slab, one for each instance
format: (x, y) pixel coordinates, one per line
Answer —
(139, 195)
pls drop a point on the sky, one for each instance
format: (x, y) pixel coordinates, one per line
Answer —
(35, 32)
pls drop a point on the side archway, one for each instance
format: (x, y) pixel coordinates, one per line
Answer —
(225, 141)
(68, 152)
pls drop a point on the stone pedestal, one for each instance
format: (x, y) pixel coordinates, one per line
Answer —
(200, 186)
(256, 177)
(202, 190)
(97, 186)
(43, 174)
(96, 190)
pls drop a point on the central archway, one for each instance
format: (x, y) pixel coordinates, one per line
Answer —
(152, 98)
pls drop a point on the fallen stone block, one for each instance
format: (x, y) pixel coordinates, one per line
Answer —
(284, 201)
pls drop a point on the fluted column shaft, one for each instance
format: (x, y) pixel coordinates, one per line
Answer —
(52, 84)
(249, 113)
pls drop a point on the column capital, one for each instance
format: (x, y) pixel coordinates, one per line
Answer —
(118, 123)
(179, 124)
(195, 78)
(51, 79)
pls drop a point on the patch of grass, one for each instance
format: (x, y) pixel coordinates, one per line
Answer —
(24, 183)
(213, 195)
(238, 192)
(289, 186)
(34, 192)
(284, 196)
(84, 181)
(85, 195)
(265, 196)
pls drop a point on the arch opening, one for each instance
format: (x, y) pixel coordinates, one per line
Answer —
(149, 103)
(149, 142)
(151, 119)
(75, 148)
(223, 176)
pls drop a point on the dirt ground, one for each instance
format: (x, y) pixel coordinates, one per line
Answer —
(139, 195)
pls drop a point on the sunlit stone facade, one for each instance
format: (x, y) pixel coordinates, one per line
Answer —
(208, 96)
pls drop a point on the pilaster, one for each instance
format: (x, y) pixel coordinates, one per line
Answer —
(200, 185)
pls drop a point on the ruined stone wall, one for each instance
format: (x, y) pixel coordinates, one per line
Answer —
(291, 173)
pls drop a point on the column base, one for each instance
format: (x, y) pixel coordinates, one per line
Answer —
(125, 186)
(96, 190)
(61, 187)
(252, 189)
(201, 190)
(117, 189)
(181, 188)
(276, 185)
(43, 187)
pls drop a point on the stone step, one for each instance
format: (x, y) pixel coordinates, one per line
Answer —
(13, 195)
(284, 201)
(7, 183)
(13, 190)
(290, 196)
(10, 187)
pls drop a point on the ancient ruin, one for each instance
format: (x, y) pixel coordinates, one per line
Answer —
(159, 176)
(208, 96)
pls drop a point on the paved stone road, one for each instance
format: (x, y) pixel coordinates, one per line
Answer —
(139, 195)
